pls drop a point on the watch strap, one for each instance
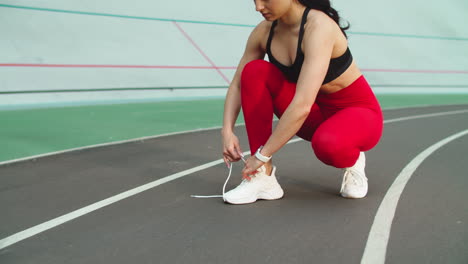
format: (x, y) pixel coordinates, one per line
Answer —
(261, 157)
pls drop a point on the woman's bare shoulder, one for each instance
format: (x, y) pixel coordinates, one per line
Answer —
(260, 33)
(263, 28)
(320, 26)
(317, 18)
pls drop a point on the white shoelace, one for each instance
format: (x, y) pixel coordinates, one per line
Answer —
(351, 177)
(224, 186)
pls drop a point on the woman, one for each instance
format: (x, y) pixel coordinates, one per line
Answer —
(315, 88)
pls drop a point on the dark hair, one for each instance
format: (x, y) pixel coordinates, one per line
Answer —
(325, 6)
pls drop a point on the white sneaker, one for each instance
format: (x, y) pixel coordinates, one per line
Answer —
(260, 186)
(354, 180)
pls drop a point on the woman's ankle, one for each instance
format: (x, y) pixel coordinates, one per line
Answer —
(269, 168)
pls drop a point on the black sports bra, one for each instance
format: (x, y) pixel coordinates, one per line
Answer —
(335, 69)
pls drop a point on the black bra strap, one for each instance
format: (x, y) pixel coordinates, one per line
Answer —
(301, 30)
(270, 37)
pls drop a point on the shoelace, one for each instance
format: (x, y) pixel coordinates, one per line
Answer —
(350, 177)
(224, 186)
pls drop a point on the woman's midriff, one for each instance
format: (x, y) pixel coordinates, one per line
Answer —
(343, 81)
(357, 94)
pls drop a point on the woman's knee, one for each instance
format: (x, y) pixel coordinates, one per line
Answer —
(256, 65)
(255, 70)
(334, 151)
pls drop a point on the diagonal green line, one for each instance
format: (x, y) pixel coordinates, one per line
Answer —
(405, 36)
(122, 16)
(422, 85)
(218, 23)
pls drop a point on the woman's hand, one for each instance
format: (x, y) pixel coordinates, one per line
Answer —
(231, 148)
(251, 166)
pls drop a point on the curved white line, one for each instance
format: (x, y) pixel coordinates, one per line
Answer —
(85, 210)
(376, 246)
(425, 116)
(420, 106)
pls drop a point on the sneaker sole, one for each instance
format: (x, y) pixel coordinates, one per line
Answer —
(353, 196)
(275, 195)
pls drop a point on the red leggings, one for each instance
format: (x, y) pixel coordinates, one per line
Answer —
(339, 125)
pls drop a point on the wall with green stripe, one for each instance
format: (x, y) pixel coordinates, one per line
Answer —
(85, 52)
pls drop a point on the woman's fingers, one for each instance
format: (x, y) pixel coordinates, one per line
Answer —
(232, 154)
(234, 151)
(227, 162)
(251, 167)
(231, 150)
(247, 177)
(239, 153)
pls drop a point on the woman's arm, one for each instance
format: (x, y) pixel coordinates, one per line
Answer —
(318, 46)
(254, 50)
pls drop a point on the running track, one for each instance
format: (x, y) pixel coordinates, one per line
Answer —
(311, 224)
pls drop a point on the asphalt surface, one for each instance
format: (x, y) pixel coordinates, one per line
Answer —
(311, 224)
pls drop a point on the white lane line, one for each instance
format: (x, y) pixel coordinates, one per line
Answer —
(90, 208)
(426, 115)
(419, 106)
(376, 246)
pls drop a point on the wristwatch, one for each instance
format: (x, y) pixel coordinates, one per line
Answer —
(259, 155)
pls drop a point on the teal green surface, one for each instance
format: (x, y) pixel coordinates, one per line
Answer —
(31, 132)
